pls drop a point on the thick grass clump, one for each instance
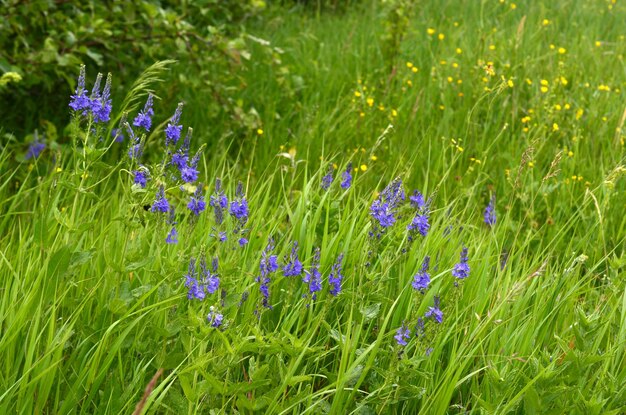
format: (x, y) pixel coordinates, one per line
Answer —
(426, 217)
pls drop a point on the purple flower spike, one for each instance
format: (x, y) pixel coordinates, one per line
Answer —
(335, 277)
(144, 118)
(461, 270)
(346, 177)
(435, 312)
(421, 280)
(80, 101)
(173, 129)
(402, 335)
(327, 179)
(160, 204)
(293, 267)
(490, 212)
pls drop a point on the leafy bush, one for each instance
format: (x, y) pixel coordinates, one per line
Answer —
(44, 43)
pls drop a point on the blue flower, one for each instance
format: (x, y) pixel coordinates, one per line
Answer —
(346, 177)
(314, 277)
(402, 335)
(242, 241)
(79, 101)
(144, 118)
(383, 213)
(197, 203)
(293, 267)
(461, 269)
(417, 200)
(160, 204)
(215, 318)
(141, 177)
(181, 157)
(196, 290)
(239, 206)
(219, 202)
(268, 264)
(490, 212)
(421, 280)
(212, 280)
(135, 150)
(419, 224)
(384, 208)
(34, 149)
(172, 236)
(101, 105)
(222, 236)
(173, 129)
(189, 174)
(435, 312)
(335, 277)
(327, 179)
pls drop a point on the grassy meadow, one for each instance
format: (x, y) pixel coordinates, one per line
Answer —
(141, 274)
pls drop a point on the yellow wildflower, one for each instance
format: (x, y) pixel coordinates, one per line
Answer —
(363, 167)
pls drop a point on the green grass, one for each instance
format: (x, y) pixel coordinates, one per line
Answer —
(93, 302)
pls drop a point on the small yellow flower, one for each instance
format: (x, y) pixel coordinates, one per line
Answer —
(531, 164)
(370, 102)
(562, 50)
(363, 167)
(598, 43)
(443, 62)
(529, 81)
(442, 107)
(604, 88)
(450, 79)
(513, 6)
(563, 80)
(259, 131)
(460, 149)
(459, 51)
(510, 83)
(373, 157)
(381, 107)
(525, 129)
(579, 113)
(570, 153)
(362, 114)
(544, 82)
(414, 69)
(59, 170)
(555, 127)
(552, 47)
(409, 83)
(394, 113)
(525, 119)
(566, 106)
(544, 89)
(430, 31)
(357, 94)
(545, 22)
(455, 65)
(557, 107)
(441, 36)
(409, 65)
(492, 47)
